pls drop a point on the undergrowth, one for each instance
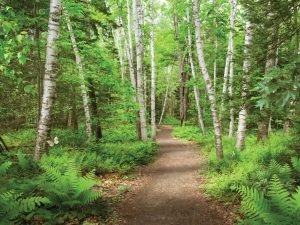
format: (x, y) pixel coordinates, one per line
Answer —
(251, 172)
(63, 186)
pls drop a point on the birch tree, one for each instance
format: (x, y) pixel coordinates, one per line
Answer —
(231, 69)
(196, 89)
(50, 78)
(229, 61)
(84, 94)
(241, 131)
(138, 41)
(153, 75)
(206, 77)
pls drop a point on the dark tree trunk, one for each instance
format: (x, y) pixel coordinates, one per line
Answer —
(95, 120)
(183, 92)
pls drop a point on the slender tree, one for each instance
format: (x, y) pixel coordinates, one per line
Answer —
(84, 94)
(231, 68)
(51, 71)
(241, 131)
(196, 89)
(229, 64)
(209, 88)
(153, 73)
(138, 41)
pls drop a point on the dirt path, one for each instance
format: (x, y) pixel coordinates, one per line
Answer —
(169, 193)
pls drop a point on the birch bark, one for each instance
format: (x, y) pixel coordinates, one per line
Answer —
(138, 41)
(241, 131)
(153, 73)
(85, 97)
(50, 77)
(209, 88)
(229, 65)
(196, 89)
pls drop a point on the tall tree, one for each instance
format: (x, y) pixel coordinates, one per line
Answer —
(153, 73)
(231, 67)
(51, 71)
(241, 131)
(209, 88)
(229, 58)
(84, 94)
(196, 89)
(137, 27)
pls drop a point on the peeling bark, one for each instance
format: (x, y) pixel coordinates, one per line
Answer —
(206, 77)
(241, 132)
(85, 97)
(138, 41)
(50, 78)
(153, 74)
(196, 89)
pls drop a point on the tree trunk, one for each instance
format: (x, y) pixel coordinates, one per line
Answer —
(231, 69)
(229, 66)
(166, 96)
(51, 71)
(183, 96)
(215, 63)
(139, 70)
(120, 51)
(94, 110)
(153, 74)
(130, 59)
(196, 89)
(262, 132)
(241, 131)
(209, 88)
(85, 97)
(129, 29)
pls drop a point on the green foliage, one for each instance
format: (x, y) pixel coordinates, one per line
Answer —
(67, 190)
(13, 206)
(277, 207)
(4, 167)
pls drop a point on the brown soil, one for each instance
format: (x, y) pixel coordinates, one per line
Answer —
(169, 190)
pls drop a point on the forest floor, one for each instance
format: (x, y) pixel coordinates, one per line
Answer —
(168, 192)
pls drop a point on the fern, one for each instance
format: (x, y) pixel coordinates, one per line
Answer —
(13, 206)
(67, 188)
(4, 167)
(277, 207)
(296, 163)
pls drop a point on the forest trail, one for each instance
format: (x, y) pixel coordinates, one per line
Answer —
(169, 192)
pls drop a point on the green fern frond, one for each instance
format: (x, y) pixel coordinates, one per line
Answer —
(279, 196)
(4, 167)
(31, 203)
(296, 163)
(254, 204)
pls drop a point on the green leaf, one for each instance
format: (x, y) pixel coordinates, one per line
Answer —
(28, 88)
(7, 26)
(22, 59)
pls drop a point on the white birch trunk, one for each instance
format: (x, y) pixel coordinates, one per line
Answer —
(129, 29)
(241, 131)
(139, 70)
(209, 88)
(130, 60)
(153, 73)
(85, 97)
(215, 63)
(229, 61)
(196, 89)
(119, 46)
(166, 96)
(50, 77)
